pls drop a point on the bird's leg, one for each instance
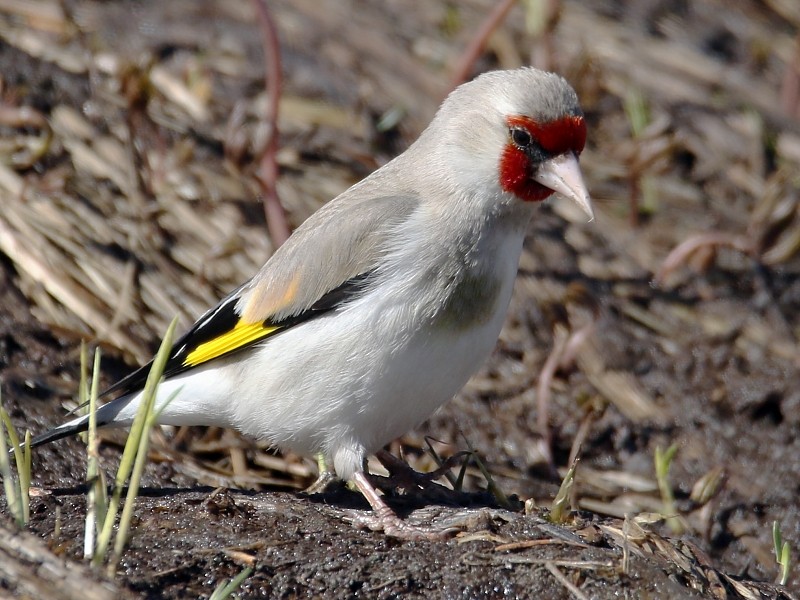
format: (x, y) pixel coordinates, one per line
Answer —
(326, 479)
(384, 518)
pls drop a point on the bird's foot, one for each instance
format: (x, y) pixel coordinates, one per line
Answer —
(393, 526)
(383, 518)
(326, 481)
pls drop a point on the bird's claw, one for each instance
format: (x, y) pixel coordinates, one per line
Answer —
(393, 526)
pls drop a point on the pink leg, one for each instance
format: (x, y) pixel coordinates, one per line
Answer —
(384, 519)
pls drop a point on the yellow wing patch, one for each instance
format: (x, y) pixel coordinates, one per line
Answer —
(241, 335)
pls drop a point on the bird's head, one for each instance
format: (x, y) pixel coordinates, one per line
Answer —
(517, 132)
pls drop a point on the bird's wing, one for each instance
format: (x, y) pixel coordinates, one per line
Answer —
(327, 261)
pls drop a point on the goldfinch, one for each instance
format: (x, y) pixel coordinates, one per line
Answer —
(379, 307)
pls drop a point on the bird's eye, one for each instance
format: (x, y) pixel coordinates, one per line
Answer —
(520, 137)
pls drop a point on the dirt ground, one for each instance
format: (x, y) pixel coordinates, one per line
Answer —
(131, 133)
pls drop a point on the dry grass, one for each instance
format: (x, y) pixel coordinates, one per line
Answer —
(139, 203)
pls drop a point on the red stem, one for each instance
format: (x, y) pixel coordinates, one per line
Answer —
(277, 225)
(470, 55)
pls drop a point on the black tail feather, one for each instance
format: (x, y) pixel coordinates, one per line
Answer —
(66, 430)
(106, 415)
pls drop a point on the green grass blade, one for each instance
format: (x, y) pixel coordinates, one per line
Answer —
(785, 562)
(95, 498)
(13, 438)
(132, 448)
(136, 477)
(493, 488)
(224, 590)
(560, 509)
(9, 485)
(25, 479)
(439, 462)
(83, 388)
(777, 540)
(663, 462)
(782, 553)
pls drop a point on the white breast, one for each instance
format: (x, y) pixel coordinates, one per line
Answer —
(349, 382)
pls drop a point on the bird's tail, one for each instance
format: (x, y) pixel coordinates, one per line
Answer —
(67, 429)
(106, 415)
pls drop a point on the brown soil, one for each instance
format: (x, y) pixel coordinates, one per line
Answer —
(142, 207)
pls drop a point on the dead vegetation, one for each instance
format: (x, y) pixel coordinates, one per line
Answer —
(130, 182)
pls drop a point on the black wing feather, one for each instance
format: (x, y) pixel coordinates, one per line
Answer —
(223, 318)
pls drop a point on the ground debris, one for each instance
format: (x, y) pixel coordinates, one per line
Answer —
(130, 195)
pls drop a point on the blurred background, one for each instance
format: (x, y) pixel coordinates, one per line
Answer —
(138, 154)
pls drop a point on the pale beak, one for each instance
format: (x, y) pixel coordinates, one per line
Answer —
(562, 174)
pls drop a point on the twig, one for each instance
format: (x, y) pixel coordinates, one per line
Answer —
(525, 544)
(790, 86)
(562, 579)
(470, 55)
(277, 225)
(681, 253)
(574, 343)
(565, 348)
(543, 50)
(543, 395)
(580, 437)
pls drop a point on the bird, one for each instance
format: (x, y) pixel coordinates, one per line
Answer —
(381, 305)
